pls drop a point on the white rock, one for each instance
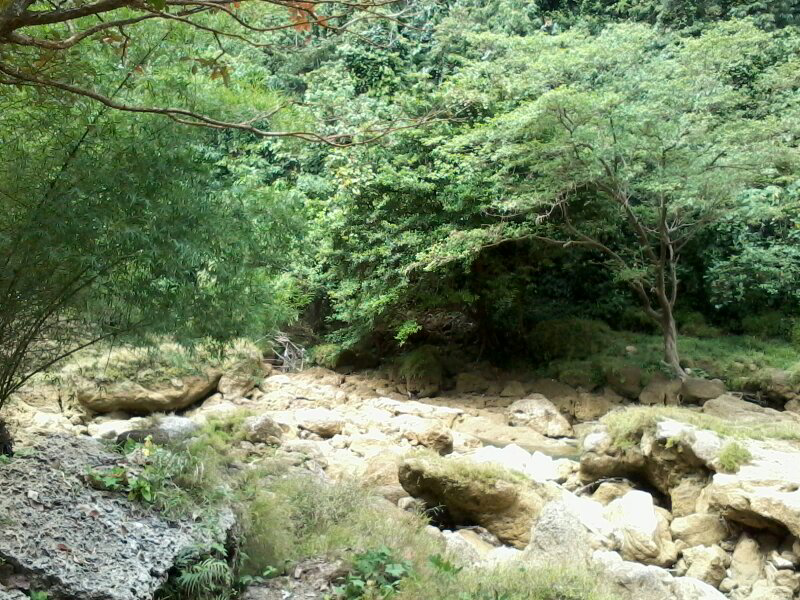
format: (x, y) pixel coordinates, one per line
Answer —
(539, 414)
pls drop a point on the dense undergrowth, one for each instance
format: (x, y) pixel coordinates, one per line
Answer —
(284, 516)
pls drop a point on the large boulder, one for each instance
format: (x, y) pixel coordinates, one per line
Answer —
(76, 542)
(664, 458)
(634, 581)
(536, 465)
(763, 493)
(699, 530)
(737, 410)
(492, 429)
(325, 423)
(465, 493)
(661, 391)
(706, 563)
(242, 378)
(539, 414)
(626, 380)
(471, 383)
(428, 433)
(263, 429)
(697, 390)
(644, 534)
(138, 399)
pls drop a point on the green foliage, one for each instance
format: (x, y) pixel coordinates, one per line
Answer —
(326, 355)
(39, 595)
(568, 338)
(375, 574)
(733, 456)
(201, 577)
(423, 363)
(772, 324)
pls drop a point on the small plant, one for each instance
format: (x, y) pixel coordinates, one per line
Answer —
(733, 456)
(207, 577)
(444, 566)
(375, 574)
(113, 480)
(39, 596)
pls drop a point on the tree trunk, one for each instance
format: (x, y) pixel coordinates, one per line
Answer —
(670, 331)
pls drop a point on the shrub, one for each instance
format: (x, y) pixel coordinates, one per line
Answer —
(326, 355)
(568, 338)
(422, 363)
(694, 323)
(635, 319)
(374, 574)
(772, 324)
(733, 456)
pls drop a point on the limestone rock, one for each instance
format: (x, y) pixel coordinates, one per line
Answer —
(536, 465)
(685, 495)
(661, 391)
(513, 389)
(325, 423)
(77, 542)
(590, 406)
(634, 581)
(697, 390)
(763, 491)
(539, 414)
(707, 563)
(567, 532)
(263, 429)
(507, 508)
(493, 430)
(609, 491)
(134, 398)
(243, 378)
(699, 530)
(470, 383)
(428, 433)
(560, 394)
(740, 411)
(626, 380)
(747, 561)
(445, 414)
(644, 536)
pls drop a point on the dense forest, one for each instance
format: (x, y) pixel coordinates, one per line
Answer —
(455, 172)
(410, 299)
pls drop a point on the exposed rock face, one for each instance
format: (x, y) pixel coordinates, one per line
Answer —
(764, 493)
(699, 530)
(735, 409)
(707, 563)
(538, 413)
(698, 390)
(134, 398)
(469, 383)
(325, 423)
(428, 433)
(263, 429)
(661, 391)
(77, 542)
(513, 389)
(664, 458)
(243, 378)
(633, 581)
(506, 508)
(645, 537)
(626, 381)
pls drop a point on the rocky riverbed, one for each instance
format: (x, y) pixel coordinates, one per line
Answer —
(659, 510)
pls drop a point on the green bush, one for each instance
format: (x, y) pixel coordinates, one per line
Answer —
(772, 324)
(694, 323)
(635, 319)
(326, 355)
(375, 574)
(422, 363)
(568, 338)
(733, 456)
